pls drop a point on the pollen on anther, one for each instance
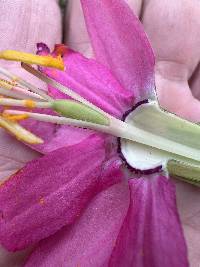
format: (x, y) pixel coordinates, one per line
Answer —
(15, 118)
(29, 103)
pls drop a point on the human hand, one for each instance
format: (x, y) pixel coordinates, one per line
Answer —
(172, 73)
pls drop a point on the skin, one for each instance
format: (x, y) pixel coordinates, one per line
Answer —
(173, 28)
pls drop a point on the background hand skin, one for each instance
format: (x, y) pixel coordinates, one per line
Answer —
(174, 31)
(22, 24)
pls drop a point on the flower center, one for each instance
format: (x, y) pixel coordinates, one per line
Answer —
(151, 138)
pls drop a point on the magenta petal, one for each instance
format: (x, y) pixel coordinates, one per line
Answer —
(50, 192)
(151, 234)
(92, 81)
(89, 242)
(119, 42)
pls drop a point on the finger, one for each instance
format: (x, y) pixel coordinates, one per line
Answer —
(175, 95)
(76, 36)
(24, 23)
(173, 29)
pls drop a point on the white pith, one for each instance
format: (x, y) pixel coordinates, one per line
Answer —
(144, 157)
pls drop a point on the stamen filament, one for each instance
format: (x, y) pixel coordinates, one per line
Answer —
(62, 88)
(25, 83)
(24, 103)
(19, 93)
(29, 94)
(59, 120)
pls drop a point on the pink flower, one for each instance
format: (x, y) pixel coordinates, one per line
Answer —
(75, 203)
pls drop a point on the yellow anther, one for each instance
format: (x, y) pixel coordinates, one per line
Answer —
(48, 61)
(19, 132)
(15, 118)
(28, 103)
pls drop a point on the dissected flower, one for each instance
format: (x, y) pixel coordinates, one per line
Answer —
(106, 216)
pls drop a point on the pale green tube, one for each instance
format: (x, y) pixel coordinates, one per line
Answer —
(75, 110)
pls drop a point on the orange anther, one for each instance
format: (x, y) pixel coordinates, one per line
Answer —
(29, 103)
(15, 118)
